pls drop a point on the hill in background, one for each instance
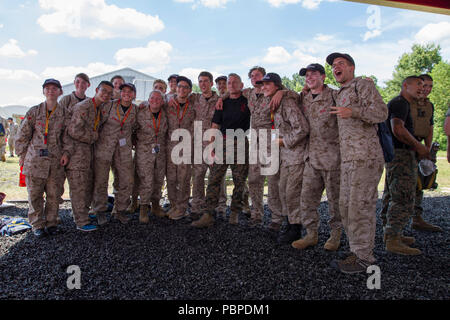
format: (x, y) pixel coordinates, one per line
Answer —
(8, 111)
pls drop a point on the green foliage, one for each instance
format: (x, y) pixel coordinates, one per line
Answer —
(196, 88)
(296, 83)
(440, 97)
(421, 60)
(330, 78)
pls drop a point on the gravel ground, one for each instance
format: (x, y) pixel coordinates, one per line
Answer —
(170, 261)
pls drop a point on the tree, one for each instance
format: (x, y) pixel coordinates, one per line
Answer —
(295, 84)
(421, 60)
(440, 97)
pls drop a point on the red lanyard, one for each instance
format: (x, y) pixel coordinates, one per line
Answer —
(97, 115)
(154, 123)
(122, 122)
(184, 111)
(272, 119)
(47, 118)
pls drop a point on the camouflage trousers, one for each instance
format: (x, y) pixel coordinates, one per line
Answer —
(358, 196)
(314, 183)
(198, 189)
(124, 171)
(38, 215)
(178, 183)
(150, 170)
(399, 191)
(80, 189)
(11, 146)
(2, 146)
(218, 171)
(290, 188)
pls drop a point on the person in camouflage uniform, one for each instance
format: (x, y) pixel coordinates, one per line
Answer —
(293, 129)
(401, 172)
(234, 115)
(12, 133)
(83, 131)
(323, 160)
(113, 150)
(180, 116)
(43, 151)
(3, 134)
(151, 144)
(359, 108)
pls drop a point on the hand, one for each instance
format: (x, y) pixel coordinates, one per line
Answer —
(276, 100)
(448, 154)
(422, 151)
(342, 112)
(219, 104)
(305, 89)
(64, 160)
(21, 161)
(172, 103)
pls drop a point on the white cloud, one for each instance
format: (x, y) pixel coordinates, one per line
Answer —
(307, 4)
(1, 26)
(323, 37)
(434, 32)
(211, 4)
(11, 49)
(18, 74)
(66, 74)
(95, 19)
(276, 55)
(153, 58)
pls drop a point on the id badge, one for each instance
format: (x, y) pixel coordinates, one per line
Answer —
(123, 142)
(43, 153)
(155, 149)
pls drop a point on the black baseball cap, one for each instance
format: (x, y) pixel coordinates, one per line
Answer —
(172, 76)
(221, 78)
(335, 55)
(270, 77)
(183, 78)
(129, 85)
(313, 67)
(52, 81)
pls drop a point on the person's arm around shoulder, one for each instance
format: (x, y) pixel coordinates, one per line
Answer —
(372, 107)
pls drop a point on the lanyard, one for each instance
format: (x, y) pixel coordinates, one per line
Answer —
(272, 119)
(47, 118)
(184, 111)
(122, 122)
(154, 123)
(97, 115)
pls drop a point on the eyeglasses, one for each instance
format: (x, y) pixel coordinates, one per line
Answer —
(183, 87)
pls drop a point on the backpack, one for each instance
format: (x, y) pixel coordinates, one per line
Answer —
(385, 138)
(13, 226)
(2, 130)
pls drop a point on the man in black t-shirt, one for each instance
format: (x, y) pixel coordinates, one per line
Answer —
(401, 172)
(233, 119)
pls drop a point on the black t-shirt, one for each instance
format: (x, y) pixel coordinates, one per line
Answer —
(235, 114)
(124, 109)
(399, 108)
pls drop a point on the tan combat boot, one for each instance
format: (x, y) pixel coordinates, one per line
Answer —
(205, 221)
(234, 218)
(406, 240)
(122, 217)
(394, 244)
(143, 214)
(133, 205)
(419, 224)
(309, 240)
(177, 214)
(157, 210)
(334, 240)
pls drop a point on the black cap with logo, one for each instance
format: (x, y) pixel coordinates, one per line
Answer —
(312, 67)
(335, 55)
(271, 77)
(183, 78)
(129, 85)
(52, 81)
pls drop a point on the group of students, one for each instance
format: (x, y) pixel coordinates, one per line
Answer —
(327, 139)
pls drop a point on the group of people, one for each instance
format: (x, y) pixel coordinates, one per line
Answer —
(326, 138)
(8, 132)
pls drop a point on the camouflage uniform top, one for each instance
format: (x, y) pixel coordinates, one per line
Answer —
(111, 131)
(181, 118)
(358, 134)
(68, 101)
(323, 146)
(5, 124)
(259, 109)
(81, 131)
(12, 131)
(293, 128)
(204, 110)
(30, 142)
(146, 131)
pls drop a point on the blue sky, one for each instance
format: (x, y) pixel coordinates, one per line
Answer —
(55, 38)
